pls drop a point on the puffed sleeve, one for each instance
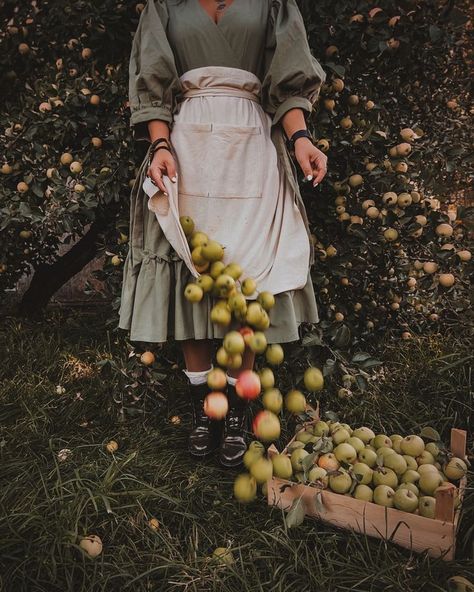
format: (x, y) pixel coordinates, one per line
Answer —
(153, 77)
(292, 75)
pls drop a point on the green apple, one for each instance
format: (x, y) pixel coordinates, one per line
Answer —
(433, 448)
(396, 462)
(425, 458)
(313, 379)
(297, 457)
(250, 457)
(383, 496)
(345, 452)
(428, 482)
(411, 486)
(411, 462)
(405, 500)
(304, 436)
(384, 451)
(318, 474)
(257, 446)
(282, 466)
(356, 443)
(272, 400)
(347, 427)
(364, 433)
(267, 378)
(455, 469)
(412, 445)
(245, 488)
(294, 446)
(381, 440)
(261, 470)
(362, 473)
(396, 439)
(410, 476)
(340, 482)
(384, 476)
(423, 469)
(427, 506)
(368, 457)
(340, 435)
(364, 493)
(321, 428)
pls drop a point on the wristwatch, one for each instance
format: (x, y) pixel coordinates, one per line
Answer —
(303, 133)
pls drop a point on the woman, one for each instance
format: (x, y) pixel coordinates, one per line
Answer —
(215, 87)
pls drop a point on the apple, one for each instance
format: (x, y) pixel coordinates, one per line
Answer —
(364, 493)
(193, 293)
(250, 457)
(305, 436)
(216, 405)
(455, 469)
(267, 378)
(295, 401)
(213, 251)
(427, 506)
(362, 472)
(328, 461)
(428, 482)
(297, 457)
(410, 476)
(365, 434)
(266, 426)
(313, 379)
(266, 299)
(412, 445)
(223, 284)
(384, 476)
(245, 488)
(187, 224)
(217, 379)
(368, 457)
(411, 462)
(261, 470)
(396, 439)
(112, 446)
(340, 482)
(383, 496)
(234, 343)
(248, 286)
(272, 400)
(147, 358)
(411, 486)
(216, 269)
(221, 316)
(237, 302)
(248, 385)
(318, 474)
(425, 458)
(223, 555)
(405, 500)
(294, 446)
(92, 545)
(347, 427)
(345, 453)
(282, 467)
(381, 440)
(384, 451)
(340, 435)
(356, 443)
(423, 469)
(396, 462)
(274, 354)
(433, 449)
(257, 342)
(321, 428)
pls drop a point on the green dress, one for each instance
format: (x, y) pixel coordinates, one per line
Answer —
(265, 37)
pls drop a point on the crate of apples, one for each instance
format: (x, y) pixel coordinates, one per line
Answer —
(403, 488)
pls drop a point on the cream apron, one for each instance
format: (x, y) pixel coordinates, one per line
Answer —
(231, 183)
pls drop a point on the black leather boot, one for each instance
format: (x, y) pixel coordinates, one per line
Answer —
(233, 443)
(205, 434)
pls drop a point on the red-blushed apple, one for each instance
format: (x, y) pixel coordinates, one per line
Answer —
(216, 405)
(248, 385)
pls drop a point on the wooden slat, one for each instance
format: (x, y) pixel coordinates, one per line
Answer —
(445, 502)
(458, 443)
(407, 530)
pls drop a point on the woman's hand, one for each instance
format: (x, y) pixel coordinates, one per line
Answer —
(312, 161)
(163, 163)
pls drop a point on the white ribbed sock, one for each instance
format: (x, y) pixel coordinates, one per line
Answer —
(231, 380)
(198, 377)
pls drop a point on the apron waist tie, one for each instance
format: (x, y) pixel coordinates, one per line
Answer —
(223, 91)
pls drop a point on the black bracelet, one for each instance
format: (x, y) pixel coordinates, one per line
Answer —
(303, 133)
(152, 153)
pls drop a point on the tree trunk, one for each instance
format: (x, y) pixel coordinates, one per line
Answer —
(48, 278)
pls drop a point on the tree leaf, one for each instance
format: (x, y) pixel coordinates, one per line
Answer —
(296, 514)
(430, 434)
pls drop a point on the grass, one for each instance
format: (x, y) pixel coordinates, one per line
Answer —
(47, 503)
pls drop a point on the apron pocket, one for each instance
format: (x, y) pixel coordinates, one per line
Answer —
(236, 169)
(219, 160)
(191, 143)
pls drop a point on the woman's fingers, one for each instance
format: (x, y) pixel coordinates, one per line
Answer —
(154, 173)
(319, 164)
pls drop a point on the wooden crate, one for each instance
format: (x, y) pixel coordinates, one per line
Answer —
(436, 535)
